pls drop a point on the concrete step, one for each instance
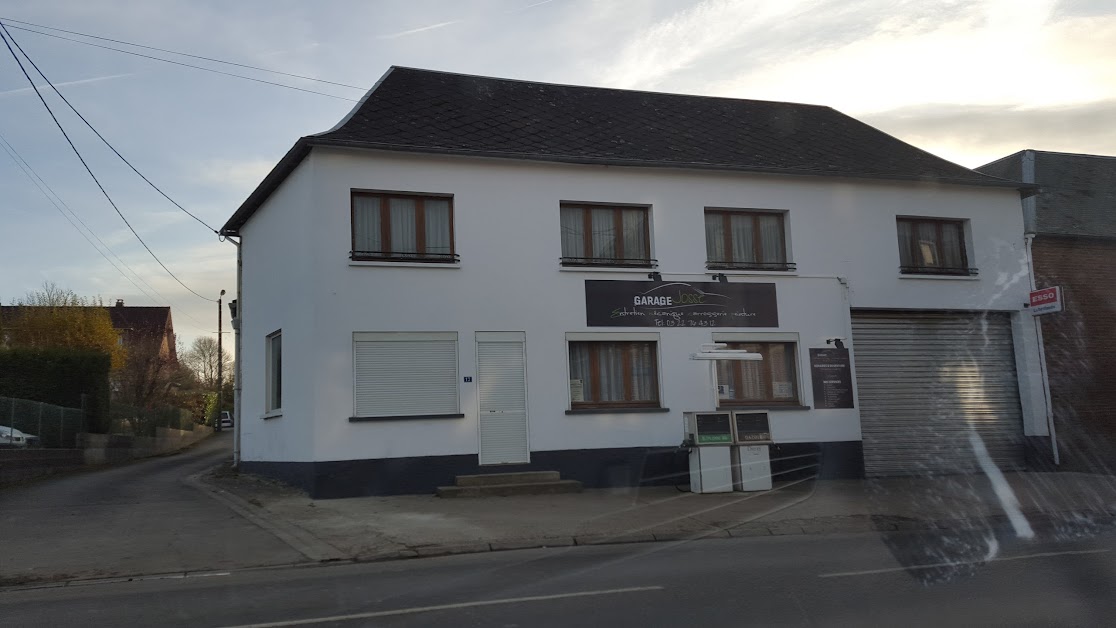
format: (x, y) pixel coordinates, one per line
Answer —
(522, 477)
(507, 490)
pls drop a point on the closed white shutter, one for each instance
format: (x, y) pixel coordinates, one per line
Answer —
(925, 381)
(502, 391)
(405, 374)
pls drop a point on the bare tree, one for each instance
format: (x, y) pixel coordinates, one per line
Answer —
(202, 359)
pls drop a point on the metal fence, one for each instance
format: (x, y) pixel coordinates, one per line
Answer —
(48, 425)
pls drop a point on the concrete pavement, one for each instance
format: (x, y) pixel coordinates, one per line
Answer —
(139, 518)
(376, 528)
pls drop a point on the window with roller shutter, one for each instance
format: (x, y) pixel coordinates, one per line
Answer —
(405, 375)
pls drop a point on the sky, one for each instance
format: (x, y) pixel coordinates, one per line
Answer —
(970, 81)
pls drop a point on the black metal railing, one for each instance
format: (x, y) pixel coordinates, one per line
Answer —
(770, 266)
(615, 262)
(392, 256)
(938, 270)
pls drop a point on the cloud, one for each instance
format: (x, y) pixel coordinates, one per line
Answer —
(95, 79)
(240, 174)
(977, 134)
(420, 29)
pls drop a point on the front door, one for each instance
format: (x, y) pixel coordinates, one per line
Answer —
(502, 394)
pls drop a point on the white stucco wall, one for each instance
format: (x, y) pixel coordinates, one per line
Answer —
(298, 277)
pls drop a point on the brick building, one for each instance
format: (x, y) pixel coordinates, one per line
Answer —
(1073, 224)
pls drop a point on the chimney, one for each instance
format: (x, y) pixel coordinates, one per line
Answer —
(120, 303)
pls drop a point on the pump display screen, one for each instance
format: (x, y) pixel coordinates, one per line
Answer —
(714, 428)
(752, 427)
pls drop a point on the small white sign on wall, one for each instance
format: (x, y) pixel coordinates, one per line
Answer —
(577, 390)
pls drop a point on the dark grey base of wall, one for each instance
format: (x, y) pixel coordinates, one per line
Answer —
(594, 468)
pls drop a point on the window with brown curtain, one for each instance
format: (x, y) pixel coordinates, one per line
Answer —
(393, 226)
(614, 374)
(932, 246)
(772, 381)
(745, 240)
(599, 235)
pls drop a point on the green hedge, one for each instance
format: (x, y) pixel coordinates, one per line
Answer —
(60, 377)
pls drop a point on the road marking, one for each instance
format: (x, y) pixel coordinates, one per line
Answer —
(443, 607)
(868, 572)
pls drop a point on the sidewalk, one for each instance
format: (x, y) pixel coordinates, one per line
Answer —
(384, 528)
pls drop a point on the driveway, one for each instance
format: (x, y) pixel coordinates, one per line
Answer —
(136, 518)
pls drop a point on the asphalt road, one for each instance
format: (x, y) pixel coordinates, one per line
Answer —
(850, 580)
(135, 518)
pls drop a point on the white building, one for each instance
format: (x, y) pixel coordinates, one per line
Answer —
(471, 274)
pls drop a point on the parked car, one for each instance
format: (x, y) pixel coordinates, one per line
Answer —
(11, 437)
(226, 419)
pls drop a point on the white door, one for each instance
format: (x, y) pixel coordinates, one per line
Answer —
(502, 394)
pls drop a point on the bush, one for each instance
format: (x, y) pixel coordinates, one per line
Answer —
(59, 377)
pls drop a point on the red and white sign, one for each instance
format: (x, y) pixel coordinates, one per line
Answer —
(1046, 301)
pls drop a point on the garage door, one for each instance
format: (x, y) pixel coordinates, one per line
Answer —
(927, 381)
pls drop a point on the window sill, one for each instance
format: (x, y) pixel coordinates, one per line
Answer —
(273, 414)
(386, 264)
(940, 277)
(615, 410)
(605, 269)
(745, 273)
(404, 417)
(763, 408)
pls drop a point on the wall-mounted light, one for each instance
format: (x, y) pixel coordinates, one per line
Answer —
(232, 309)
(836, 342)
(721, 277)
(655, 275)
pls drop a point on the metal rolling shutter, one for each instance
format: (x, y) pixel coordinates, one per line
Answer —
(503, 402)
(924, 380)
(405, 374)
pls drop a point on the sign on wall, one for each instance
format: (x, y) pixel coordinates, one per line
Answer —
(680, 304)
(831, 372)
(1046, 301)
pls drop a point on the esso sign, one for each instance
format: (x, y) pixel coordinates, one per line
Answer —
(1045, 301)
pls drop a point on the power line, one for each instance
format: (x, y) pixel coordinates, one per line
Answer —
(26, 168)
(175, 52)
(102, 138)
(12, 155)
(5, 35)
(188, 65)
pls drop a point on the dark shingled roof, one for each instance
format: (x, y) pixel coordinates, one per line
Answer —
(141, 318)
(439, 112)
(1077, 192)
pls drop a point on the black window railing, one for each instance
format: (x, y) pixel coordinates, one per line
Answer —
(393, 256)
(771, 266)
(938, 270)
(615, 262)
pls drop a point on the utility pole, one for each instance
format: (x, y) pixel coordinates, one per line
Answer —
(220, 367)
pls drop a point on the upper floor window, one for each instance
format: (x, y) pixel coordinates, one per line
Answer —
(597, 235)
(393, 226)
(745, 240)
(930, 246)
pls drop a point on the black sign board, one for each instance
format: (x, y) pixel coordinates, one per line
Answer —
(680, 304)
(832, 374)
(714, 428)
(752, 427)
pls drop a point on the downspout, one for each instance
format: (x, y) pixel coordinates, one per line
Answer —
(1030, 237)
(236, 342)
